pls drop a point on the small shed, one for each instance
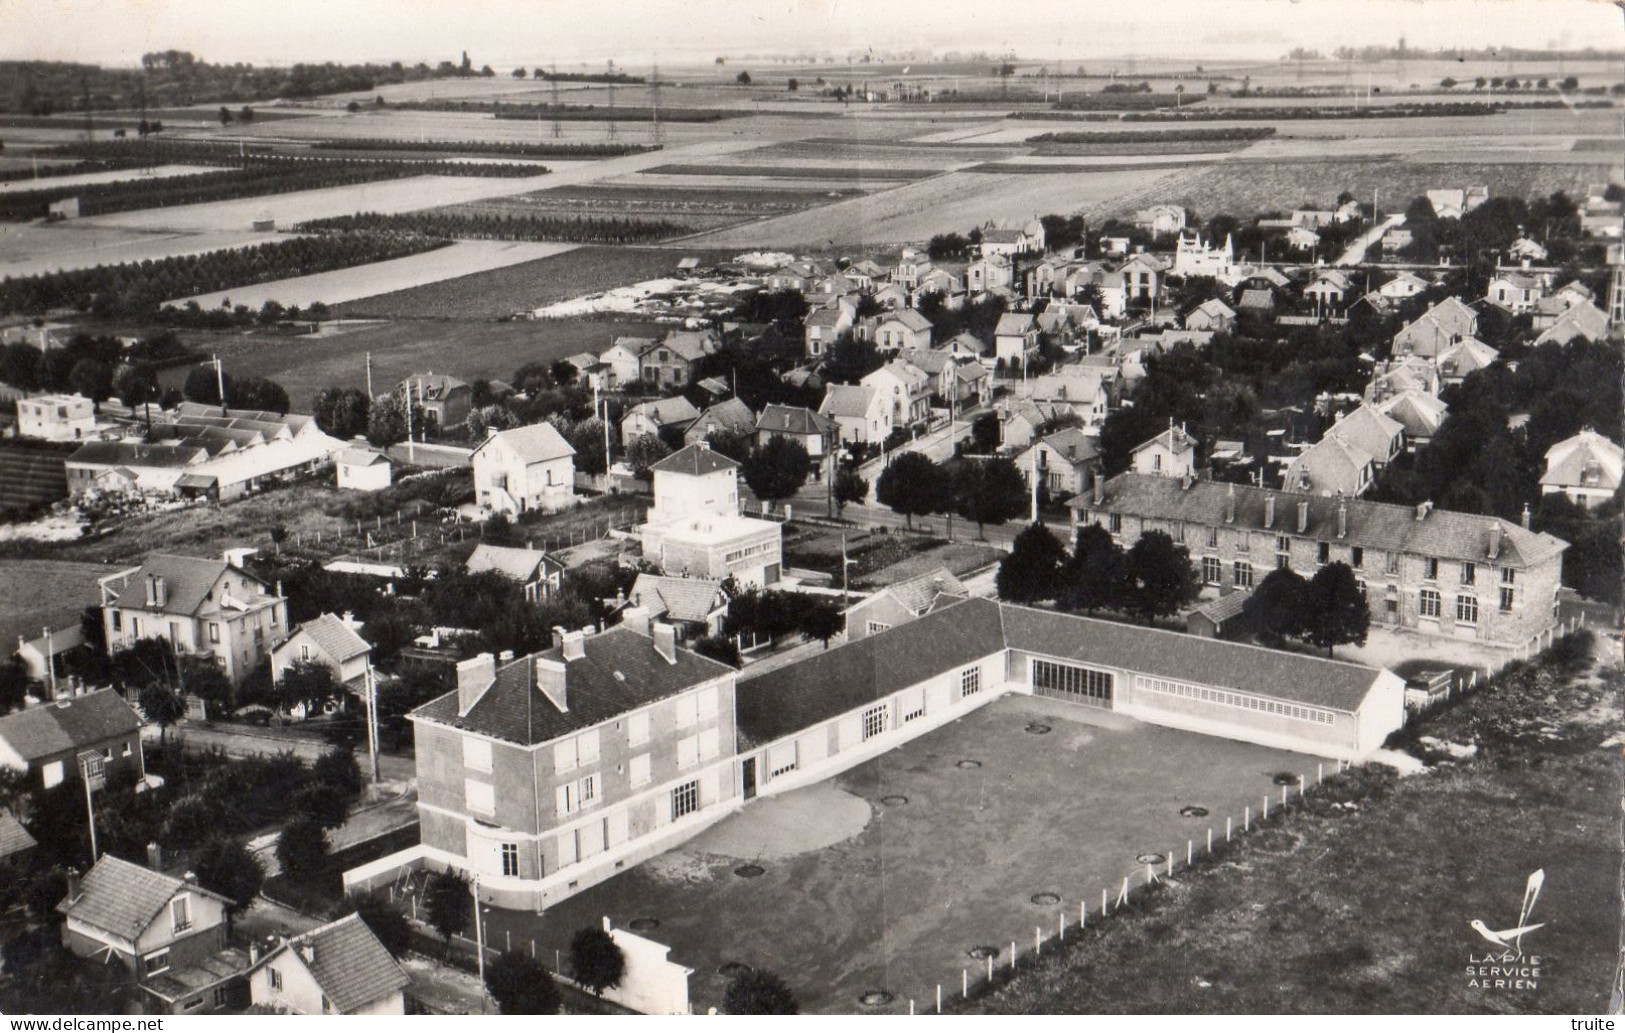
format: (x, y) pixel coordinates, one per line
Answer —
(67, 208)
(1427, 687)
(1221, 618)
(362, 469)
(264, 222)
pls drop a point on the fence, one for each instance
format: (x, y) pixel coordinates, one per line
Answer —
(402, 537)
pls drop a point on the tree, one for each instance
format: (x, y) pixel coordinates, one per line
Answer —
(984, 434)
(163, 706)
(246, 114)
(850, 360)
(778, 469)
(447, 902)
(386, 422)
(227, 867)
(1334, 608)
(989, 491)
(1276, 608)
(720, 648)
(301, 849)
(850, 488)
(521, 985)
(1032, 570)
(1158, 577)
(384, 919)
(759, 992)
(822, 620)
(225, 115)
(519, 73)
(339, 769)
(308, 684)
(644, 451)
(342, 411)
(913, 484)
(793, 85)
(92, 378)
(596, 960)
(1092, 578)
(135, 385)
(322, 803)
(22, 367)
(14, 685)
(743, 78)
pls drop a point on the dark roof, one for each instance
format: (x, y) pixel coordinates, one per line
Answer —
(187, 580)
(687, 599)
(135, 453)
(123, 898)
(512, 562)
(830, 683)
(695, 460)
(348, 963)
(1442, 534)
(334, 637)
(14, 839)
(793, 419)
(620, 672)
(1225, 606)
(75, 723)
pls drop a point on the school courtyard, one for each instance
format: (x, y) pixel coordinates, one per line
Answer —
(888, 876)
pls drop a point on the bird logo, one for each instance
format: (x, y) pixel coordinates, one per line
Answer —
(1512, 939)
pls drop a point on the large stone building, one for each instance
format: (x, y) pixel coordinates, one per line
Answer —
(1423, 569)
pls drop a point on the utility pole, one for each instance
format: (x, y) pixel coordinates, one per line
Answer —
(370, 395)
(611, 122)
(90, 806)
(479, 935)
(558, 130)
(372, 722)
(411, 449)
(50, 662)
(654, 103)
(220, 383)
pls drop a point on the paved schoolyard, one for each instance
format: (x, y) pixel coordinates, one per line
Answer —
(859, 894)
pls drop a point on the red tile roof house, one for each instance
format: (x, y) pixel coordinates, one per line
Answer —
(47, 741)
(169, 933)
(336, 969)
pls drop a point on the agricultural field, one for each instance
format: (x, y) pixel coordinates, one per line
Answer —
(110, 176)
(28, 249)
(499, 293)
(461, 259)
(701, 203)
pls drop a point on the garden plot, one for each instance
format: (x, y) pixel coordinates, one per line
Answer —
(459, 259)
(702, 203)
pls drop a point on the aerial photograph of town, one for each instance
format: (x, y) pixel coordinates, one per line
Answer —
(512, 507)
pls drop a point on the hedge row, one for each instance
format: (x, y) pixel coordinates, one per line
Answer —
(1169, 135)
(512, 148)
(506, 226)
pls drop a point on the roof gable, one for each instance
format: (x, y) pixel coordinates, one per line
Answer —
(121, 898)
(347, 962)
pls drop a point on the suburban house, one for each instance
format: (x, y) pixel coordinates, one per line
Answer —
(1212, 314)
(655, 416)
(672, 361)
(56, 417)
(200, 607)
(548, 774)
(990, 272)
(1515, 290)
(1435, 571)
(695, 529)
(1142, 278)
(972, 384)
(1224, 617)
(1062, 461)
(1029, 239)
(361, 469)
(1524, 249)
(911, 265)
(1403, 285)
(1468, 355)
(1440, 326)
(527, 469)
(1454, 203)
(1587, 468)
(539, 573)
(907, 390)
(1193, 257)
(59, 741)
(1015, 339)
(330, 641)
(1581, 321)
(1331, 466)
(862, 415)
(335, 969)
(1300, 238)
(966, 347)
(1411, 373)
(1022, 420)
(817, 434)
(169, 933)
(823, 326)
(1170, 454)
(1087, 392)
(730, 417)
(1328, 288)
(1419, 413)
(1161, 219)
(694, 479)
(624, 360)
(444, 400)
(902, 330)
(1395, 239)
(902, 602)
(694, 606)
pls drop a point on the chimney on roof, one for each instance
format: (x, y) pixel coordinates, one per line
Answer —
(550, 681)
(1495, 539)
(1303, 516)
(1342, 518)
(558, 636)
(189, 877)
(1269, 510)
(665, 639)
(636, 618)
(1100, 487)
(307, 950)
(1185, 481)
(573, 647)
(155, 857)
(1423, 509)
(1526, 516)
(73, 885)
(1230, 505)
(506, 656)
(474, 676)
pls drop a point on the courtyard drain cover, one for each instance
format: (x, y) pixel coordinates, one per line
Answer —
(893, 801)
(1151, 858)
(643, 925)
(1038, 729)
(1192, 811)
(1285, 778)
(1046, 899)
(982, 953)
(969, 764)
(731, 969)
(749, 871)
(876, 998)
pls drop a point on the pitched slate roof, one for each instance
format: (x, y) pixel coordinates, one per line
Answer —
(1465, 356)
(512, 562)
(793, 419)
(620, 672)
(1331, 466)
(913, 319)
(1568, 461)
(1419, 412)
(689, 599)
(1256, 298)
(334, 637)
(690, 345)
(1582, 320)
(1213, 308)
(695, 460)
(918, 594)
(1225, 606)
(1368, 431)
(1174, 439)
(1074, 445)
(665, 411)
(137, 453)
(1013, 324)
(732, 416)
(360, 457)
(1443, 534)
(14, 839)
(123, 898)
(822, 317)
(187, 580)
(848, 400)
(349, 964)
(537, 443)
(73, 724)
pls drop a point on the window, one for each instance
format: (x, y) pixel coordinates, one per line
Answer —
(1427, 603)
(1469, 573)
(180, 912)
(1213, 537)
(970, 682)
(688, 751)
(1234, 699)
(875, 720)
(1508, 575)
(875, 626)
(912, 704)
(1242, 575)
(214, 633)
(126, 752)
(156, 962)
(1071, 680)
(1115, 523)
(1212, 570)
(781, 759)
(481, 797)
(688, 711)
(1156, 462)
(135, 626)
(118, 620)
(685, 799)
(274, 977)
(476, 754)
(1467, 609)
(1507, 595)
(1430, 569)
(587, 791)
(1357, 557)
(639, 769)
(1391, 565)
(637, 729)
(304, 651)
(222, 996)
(1323, 552)
(51, 774)
(510, 859)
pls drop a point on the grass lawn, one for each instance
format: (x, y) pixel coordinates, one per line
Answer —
(322, 893)
(860, 894)
(1368, 911)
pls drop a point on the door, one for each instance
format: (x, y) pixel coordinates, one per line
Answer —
(747, 777)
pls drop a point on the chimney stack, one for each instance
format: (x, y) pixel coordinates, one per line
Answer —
(307, 950)
(1495, 539)
(473, 678)
(1303, 516)
(1100, 488)
(1423, 509)
(1269, 511)
(558, 636)
(1526, 516)
(1230, 505)
(550, 679)
(665, 637)
(155, 857)
(574, 646)
(1342, 518)
(636, 618)
(73, 885)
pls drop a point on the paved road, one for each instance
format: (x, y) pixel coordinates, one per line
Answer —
(1355, 253)
(239, 742)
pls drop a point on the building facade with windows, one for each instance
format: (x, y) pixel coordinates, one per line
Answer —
(1423, 569)
(97, 734)
(523, 470)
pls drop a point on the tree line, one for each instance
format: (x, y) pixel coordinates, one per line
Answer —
(505, 147)
(1160, 136)
(574, 112)
(499, 225)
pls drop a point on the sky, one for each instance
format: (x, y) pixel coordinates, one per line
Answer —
(535, 32)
